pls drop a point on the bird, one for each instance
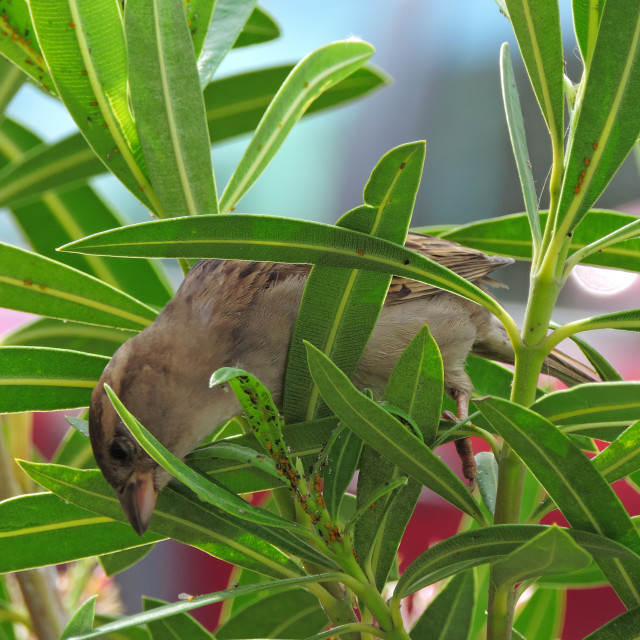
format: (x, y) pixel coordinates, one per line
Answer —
(242, 314)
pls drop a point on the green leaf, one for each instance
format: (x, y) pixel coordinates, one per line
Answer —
(510, 236)
(82, 619)
(228, 20)
(603, 368)
(114, 563)
(518, 137)
(489, 377)
(41, 529)
(294, 613)
(586, 20)
(60, 334)
(473, 548)
(169, 108)
(67, 219)
(179, 625)
(19, 45)
(597, 410)
(35, 284)
(626, 320)
(46, 167)
(260, 28)
(536, 24)
(305, 440)
(342, 463)
(198, 14)
(310, 78)
(622, 456)
(551, 552)
(487, 478)
(582, 494)
(448, 617)
(269, 238)
(339, 308)
(178, 515)
(206, 490)
(235, 104)
(39, 379)
(84, 46)
(416, 383)
(388, 436)
(162, 612)
(607, 121)
(626, 626)
(11, 79)
(542, 615)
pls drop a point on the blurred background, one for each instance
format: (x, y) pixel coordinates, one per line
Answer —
(442, 59)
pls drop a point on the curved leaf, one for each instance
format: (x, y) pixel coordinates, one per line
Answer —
(586, 20)
(626, 626)
(585, 498)
(82, 619)
(388, 436)
(39, 379)
(84, 46)
(260, 27)
(310, 78)
(35, 284)
(269, 238)
(179, 625)
(169, 108)
(473, 548)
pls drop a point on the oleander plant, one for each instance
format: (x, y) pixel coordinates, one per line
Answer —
(139, 79)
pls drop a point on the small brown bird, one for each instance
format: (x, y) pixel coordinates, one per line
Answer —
(241, 314)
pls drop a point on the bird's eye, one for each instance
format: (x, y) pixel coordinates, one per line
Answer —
(121, 449)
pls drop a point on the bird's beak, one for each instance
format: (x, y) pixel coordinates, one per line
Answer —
(138, 500)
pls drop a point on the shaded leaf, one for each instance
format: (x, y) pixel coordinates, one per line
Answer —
(82, 619)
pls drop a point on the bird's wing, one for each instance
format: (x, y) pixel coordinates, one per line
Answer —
(469, 263)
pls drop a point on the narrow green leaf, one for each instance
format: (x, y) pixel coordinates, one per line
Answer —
(35, 284)
(66, 214)
(260, 28)
(84, 46)
(607, 121)
(416, 383)
(309, 79)
(586, 20)
(626, 626)
(294, 613)
(625, 320)
(206, 490)
(542, 615)
(487, 478)
(388, 436)
(536, 24)
(448, 617)
(45, 167)
(510, 236)
(41, 529)
(198, 14)
(342, 463)
(592, 576)
(114, 563)
(228, 20)
(603, 368)
(622, 456)
(551, 552)
(169, 108)
(39, 379)
(19, 45)
(179, 625)
(269, 238)
(160, 613)
(380, 492)
(180, 516)
(597, 410)
(582, 494)
(518, 138)
(11, 79)
(82, 619)
(473, 548)
(60, 334)
(339, 308)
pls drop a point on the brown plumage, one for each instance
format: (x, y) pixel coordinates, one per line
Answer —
(241, 314)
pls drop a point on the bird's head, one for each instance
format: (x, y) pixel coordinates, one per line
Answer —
(177, 407)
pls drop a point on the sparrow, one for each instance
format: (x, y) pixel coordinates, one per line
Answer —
(241, 314)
